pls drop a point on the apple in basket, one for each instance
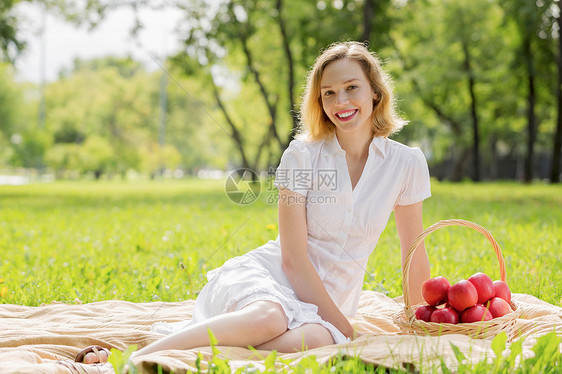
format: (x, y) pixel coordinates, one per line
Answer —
(445, 315)
(502, 290)
(462, 295)
(498, 307)
(476, 313)
(434, 290)
(467, 301)
(424, 312)
(484, 287)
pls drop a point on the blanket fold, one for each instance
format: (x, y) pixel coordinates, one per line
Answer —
(35, 339)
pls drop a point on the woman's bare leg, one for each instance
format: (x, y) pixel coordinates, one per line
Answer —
(307, 336)
(253, 325)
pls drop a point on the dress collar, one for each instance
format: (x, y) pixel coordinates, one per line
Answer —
(377, 144)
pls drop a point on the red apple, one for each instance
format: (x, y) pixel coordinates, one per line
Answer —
(498, 307)
(424, 312)
(476, 313)
(462, 295)
(502, 290)
(445, 315)
(484, 286)
(434, 290)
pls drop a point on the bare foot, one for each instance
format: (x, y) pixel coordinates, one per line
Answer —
(93, 358)
(92, 355)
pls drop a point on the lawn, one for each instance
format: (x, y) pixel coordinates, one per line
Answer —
(146, 241)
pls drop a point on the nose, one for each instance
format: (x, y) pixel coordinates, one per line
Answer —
(342, 98)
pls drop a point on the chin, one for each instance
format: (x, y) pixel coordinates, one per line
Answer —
(349, 127)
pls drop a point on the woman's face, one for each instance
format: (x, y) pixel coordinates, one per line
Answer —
(347, 96)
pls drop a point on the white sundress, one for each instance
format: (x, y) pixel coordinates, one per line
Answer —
(344, 226)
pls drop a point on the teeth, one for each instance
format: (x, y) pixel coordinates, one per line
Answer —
(346, 114)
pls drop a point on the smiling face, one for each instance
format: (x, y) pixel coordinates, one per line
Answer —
(347, 96)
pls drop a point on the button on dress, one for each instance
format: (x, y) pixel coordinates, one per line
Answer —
(344, 225)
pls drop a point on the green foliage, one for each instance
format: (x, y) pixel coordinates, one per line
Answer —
(30, 152)
(10, 43)
(9, 96)
(547, 357)
(103, 117)
(95, 155)
(256, 55)
(120, 360)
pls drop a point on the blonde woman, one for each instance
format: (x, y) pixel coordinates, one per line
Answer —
(338, 182)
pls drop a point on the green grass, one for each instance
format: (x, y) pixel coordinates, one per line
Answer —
(156, 240)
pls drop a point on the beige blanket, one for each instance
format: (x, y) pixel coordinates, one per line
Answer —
(33, 339)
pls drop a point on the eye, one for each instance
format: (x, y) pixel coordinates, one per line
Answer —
(352, 87)
(328, 93)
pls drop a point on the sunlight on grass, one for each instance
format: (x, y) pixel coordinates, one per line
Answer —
(156, 240)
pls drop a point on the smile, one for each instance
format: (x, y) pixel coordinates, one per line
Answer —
(346, 115)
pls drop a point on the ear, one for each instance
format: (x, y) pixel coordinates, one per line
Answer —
(376, 99)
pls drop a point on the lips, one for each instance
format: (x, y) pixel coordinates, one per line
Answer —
(346, 115)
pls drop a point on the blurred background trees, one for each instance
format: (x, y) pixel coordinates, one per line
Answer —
(478, 81)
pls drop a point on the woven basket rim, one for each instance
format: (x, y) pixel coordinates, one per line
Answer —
(406, 318)
(440, 224)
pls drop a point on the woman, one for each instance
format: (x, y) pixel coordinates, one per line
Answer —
(338, 184)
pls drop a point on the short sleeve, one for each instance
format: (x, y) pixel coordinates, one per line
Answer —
(416, 185)
(295, 171)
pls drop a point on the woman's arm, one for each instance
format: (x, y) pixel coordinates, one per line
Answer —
(296, 264)
(409, 225)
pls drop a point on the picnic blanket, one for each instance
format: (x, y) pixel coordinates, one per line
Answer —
(33, 339)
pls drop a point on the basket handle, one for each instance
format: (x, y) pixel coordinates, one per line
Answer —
(429, 230)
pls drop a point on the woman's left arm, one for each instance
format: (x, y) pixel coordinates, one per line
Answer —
(409, 225)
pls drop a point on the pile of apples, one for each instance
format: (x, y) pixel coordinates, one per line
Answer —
(476, 299)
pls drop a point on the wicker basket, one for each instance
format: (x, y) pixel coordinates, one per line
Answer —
(407, 320)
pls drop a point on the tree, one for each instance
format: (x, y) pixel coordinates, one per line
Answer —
(10, 44)
(271, 45)
(30, 151)
(532, 20)
(267, 45)
(10, 95)
(444, 67)
(557, 143)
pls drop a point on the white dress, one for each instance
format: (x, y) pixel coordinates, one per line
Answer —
(344, 226)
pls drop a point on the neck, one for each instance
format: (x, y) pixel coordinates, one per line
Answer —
(355, 145)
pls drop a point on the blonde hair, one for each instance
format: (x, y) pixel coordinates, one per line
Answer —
(315, 124)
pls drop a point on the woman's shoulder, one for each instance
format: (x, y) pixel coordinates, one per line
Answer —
(309, 147)
(402, 151)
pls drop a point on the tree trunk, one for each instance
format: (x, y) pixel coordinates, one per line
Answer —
(368, 15)
(531, 119)
(290, 73)
(271, 108)
(235, 133)
(265, 142)
(474, 115)
(459, 165)
(557, 148)
(456, 172)
(493, 157)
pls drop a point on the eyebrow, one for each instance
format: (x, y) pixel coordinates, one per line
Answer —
(347, 81)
